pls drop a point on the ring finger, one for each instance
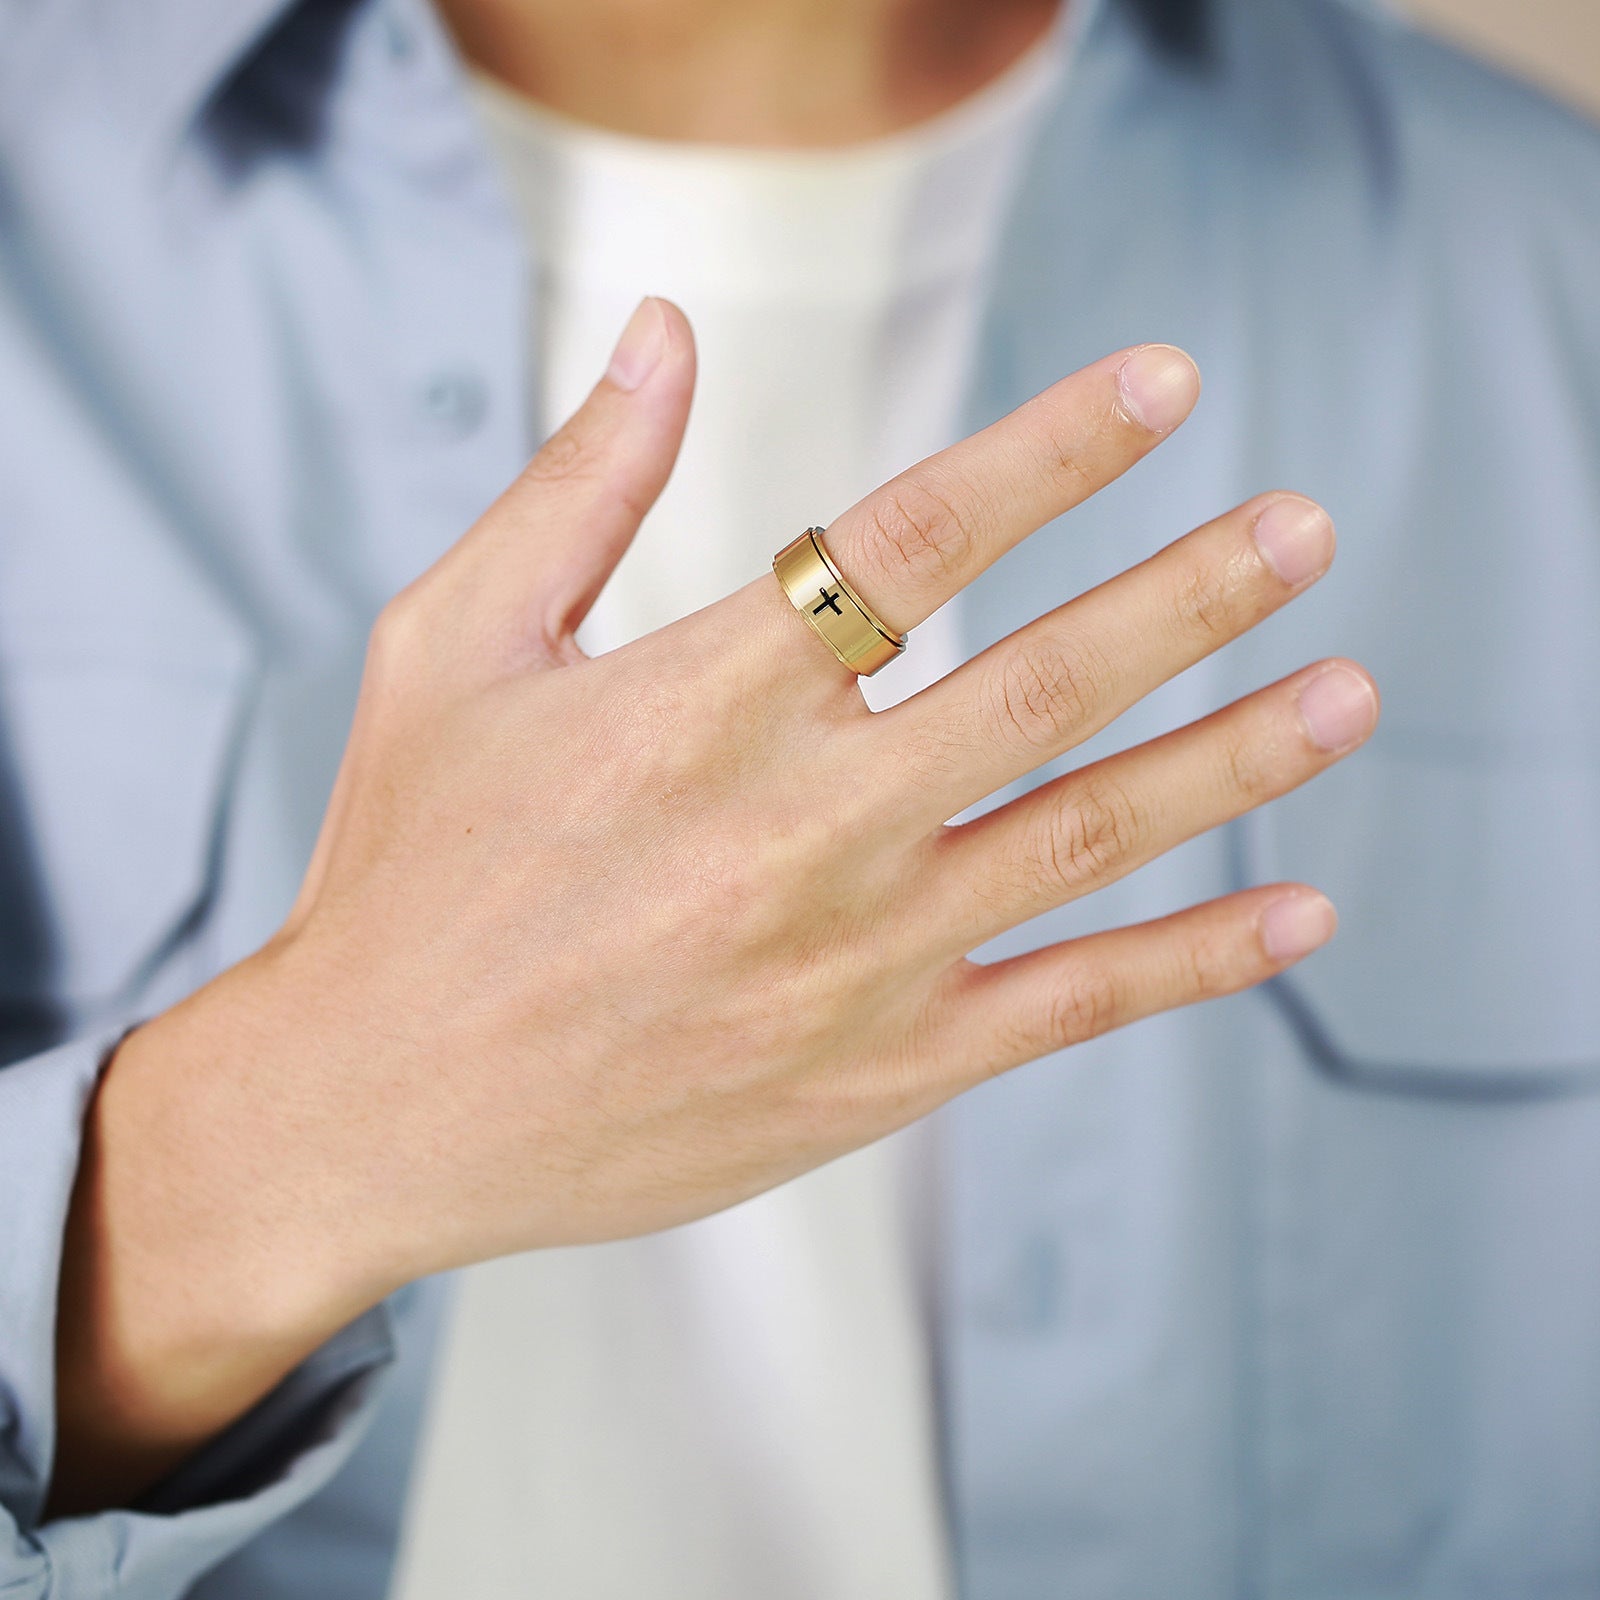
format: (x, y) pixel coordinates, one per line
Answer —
(1090, 827)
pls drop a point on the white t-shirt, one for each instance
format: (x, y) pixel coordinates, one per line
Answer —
(742, 1407)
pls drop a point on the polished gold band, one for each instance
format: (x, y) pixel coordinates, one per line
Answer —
(818, 591)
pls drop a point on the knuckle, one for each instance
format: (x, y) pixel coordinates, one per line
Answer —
(565, 454)
(1065, 446)
(1089, 838)
(1251, 770)
(1207, 606)
(920, 530)
(1206, 970)
(1085, 1004)
(1046, 688)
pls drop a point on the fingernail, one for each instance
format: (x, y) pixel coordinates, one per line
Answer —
(1296, 924)
(1159, 385)
(641, 346)
(1295, 536)
(1339, 708)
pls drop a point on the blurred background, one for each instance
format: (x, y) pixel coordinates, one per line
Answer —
(1554, 42)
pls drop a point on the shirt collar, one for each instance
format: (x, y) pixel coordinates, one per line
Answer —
(174, 55)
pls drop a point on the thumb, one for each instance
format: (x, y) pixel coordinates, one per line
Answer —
(520, 580)
(543, 551)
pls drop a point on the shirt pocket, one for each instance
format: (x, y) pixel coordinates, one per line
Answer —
(116, 760)
(1468, 958)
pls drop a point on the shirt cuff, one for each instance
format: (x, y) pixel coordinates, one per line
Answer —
(255, 1471)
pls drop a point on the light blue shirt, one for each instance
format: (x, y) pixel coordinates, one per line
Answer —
(1292, 1295)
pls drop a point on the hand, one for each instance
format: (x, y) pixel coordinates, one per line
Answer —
(590, 947)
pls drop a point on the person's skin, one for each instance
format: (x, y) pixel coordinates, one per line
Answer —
(748, 72)
(589, 948)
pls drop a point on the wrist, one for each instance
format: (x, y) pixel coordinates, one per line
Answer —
(207, 1249)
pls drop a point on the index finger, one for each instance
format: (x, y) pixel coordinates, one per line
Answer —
(926, 534)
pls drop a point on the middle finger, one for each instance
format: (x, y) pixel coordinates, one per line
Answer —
(1050, 685)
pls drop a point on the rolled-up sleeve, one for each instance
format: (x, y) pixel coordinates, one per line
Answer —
(256, 1471)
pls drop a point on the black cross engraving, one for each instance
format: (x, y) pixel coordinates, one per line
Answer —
(830, 602)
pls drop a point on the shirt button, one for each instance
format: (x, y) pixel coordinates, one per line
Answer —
(454, 403)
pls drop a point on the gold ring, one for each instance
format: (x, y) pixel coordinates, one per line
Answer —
(818, 591)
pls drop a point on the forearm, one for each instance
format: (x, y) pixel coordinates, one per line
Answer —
(199, 1265)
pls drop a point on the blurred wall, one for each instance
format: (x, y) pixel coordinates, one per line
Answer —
(1554, 42)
